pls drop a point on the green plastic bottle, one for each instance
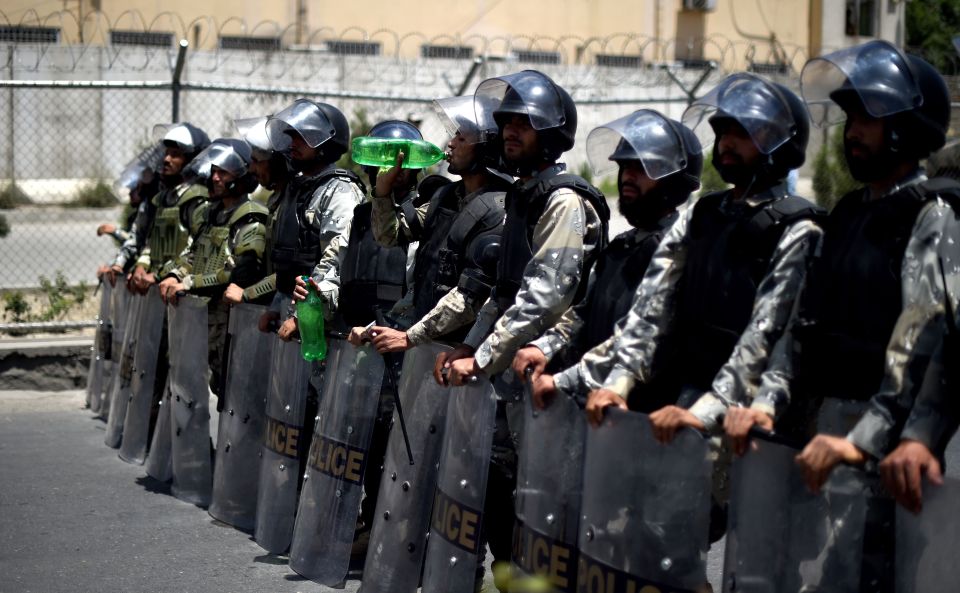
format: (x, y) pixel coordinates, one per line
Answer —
(382, 152)
(313, 342)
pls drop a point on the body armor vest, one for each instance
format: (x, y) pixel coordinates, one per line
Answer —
(171, 223)
(728, 255)
(442, 255)
(524, 209)
(295, 246)
(214, 245)
(854, 293)
(371, 276)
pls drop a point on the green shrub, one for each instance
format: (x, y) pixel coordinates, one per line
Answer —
(831, 176)
(95, 195)
(710, 180)
(12, 196)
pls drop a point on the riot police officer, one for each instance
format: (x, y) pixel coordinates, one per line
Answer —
(458, 230)
(871, 315)
(316, 205)
(228, 246)
(272, 171)
(659, 163)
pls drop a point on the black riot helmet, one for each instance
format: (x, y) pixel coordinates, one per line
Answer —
(321, 126)
(879, 80)
(668, 152)
(529, 93)
(771, 114)
(231, 155)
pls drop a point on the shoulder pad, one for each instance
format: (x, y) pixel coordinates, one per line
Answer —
(945, 188)
(582, 187)
(250, 211)
(187, 192)
(785, 211)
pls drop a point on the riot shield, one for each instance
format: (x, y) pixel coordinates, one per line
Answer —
(453, 546)
(927, 543)
(399, 534)
(279, 464)
(646, 508)
(781, 537)
(100, 352)
(237, 471)
(121, 299)
(120, 394)
(549, 475)
(159, 465)
(333, 479)
(136, 424)
(190, 401)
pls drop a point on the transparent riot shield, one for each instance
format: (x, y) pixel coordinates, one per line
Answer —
(399, 535)
(100, 352)
(549, 475)
(646, 508)
(781, 537)
(159, 465)
(237, 471)
(453, 546)
(136, 423)
(927, 544)
(120, 394)
(279, 461)
(121, 299)
(333, 479)
(190, 401)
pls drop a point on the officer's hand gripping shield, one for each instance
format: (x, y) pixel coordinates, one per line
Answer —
(549, 480)
(236, 474)
(120, 393)
(136, 423)
(280, 463)
(781, 537)
(333, 480)
(453, 546)
(646, 508)
(399, 535)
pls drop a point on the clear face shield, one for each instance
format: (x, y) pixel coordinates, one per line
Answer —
(876, 73)
(754, 103)
(254, 131)
(303, 118)
(232, 156)
(644, 136)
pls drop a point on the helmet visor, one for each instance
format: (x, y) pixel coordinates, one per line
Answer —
(644, 136)
(254, 131)
(221, 155)
(303, 118)
(457, 114)
(877, 73)
(177, 135)
(752, 102)
(527, 93)
(149, 159)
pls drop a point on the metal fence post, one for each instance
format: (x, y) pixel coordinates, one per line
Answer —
(175, 83)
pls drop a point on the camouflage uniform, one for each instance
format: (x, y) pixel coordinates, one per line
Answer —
(458, 307)
(228, 248)
(564, 237)
(630, 357)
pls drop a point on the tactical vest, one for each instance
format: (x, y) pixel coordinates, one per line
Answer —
(441, 255)
(854, 291)
(728, 255)
(524, 209)
(619, 270)
(213, 245)
(171, 222)
(295, 246)
(371, 276)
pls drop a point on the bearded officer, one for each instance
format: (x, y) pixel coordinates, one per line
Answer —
(228, 247)
(659, 162)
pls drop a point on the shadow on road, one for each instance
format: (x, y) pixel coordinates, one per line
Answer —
(153, 485)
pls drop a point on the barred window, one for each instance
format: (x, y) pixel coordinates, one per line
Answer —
(249, 43)
(769, 68)
(619, 61)
(354, 48)
(537, 57)
(25, 34)
(450, 52)
(141, 38)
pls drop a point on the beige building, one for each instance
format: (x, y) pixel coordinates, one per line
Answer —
(738, 33)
